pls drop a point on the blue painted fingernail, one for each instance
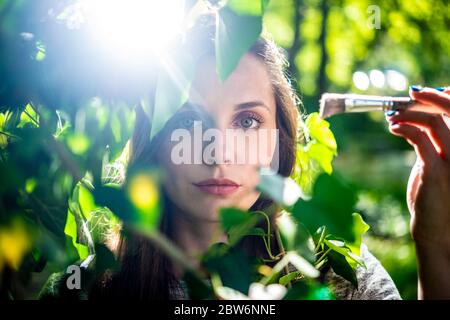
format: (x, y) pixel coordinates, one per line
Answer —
(416, 88)
(439, 89)
(390, 113)
(393, 125)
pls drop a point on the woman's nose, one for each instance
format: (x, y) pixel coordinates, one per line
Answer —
(217, 149)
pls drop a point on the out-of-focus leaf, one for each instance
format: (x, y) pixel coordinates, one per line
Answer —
(78, 143)
(172, 89)
(28, 116)
(197, 288)
(332, 205)
(303, 290)
(235, 34)
(249, 7)
(76, 227)
(225, 293)
(115, 127)
(295, 236)
(136, 202)
(30, 184)
(256, 232)
(235, 267)
(280, 189)
(237, 223)
(300, 263)
(40, 53)
(15, 241)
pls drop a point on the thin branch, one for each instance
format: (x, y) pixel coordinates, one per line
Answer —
(296, 44)
(9, 135)
(322, 77)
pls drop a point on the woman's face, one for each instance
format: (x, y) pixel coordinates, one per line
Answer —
(218, 167)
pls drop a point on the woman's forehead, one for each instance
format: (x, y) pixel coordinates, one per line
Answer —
(250, 81)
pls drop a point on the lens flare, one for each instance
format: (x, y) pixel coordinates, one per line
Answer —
(131, 27)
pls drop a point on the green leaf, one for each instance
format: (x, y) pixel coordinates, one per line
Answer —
(41, 51)
(137, 202)
(78, 143)
(342, 267)
(359, 229)
(284, 280)
(248, 7)
(317, 155)
(232, 217)
(76, 229)
(295, 236)
(306, 171)
(198, 289)
(172, 89)
(116, 127)
(235, 267)
(332, 205)
(235, 34)
(238, 223)
(321, 154)
(28, 116)
(319, 130)
(256, 232)
(2, 120)
(340, 247)
(86, 201)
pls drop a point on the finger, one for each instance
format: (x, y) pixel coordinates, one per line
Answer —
(413, 183)
(431, 97)
(434, 124)
(444, 89)
(418, 139)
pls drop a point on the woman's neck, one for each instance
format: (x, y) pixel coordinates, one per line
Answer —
(194, 236)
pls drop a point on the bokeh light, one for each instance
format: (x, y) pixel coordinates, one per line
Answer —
(143, 192)
(377, 78)
(396, 80)
(361, 80)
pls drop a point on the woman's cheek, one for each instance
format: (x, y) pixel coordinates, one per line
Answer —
(266, 147)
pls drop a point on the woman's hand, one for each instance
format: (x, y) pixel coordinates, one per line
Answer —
(428, 192)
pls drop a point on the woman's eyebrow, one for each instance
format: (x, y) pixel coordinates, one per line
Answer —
(192, 106)
(252, 104)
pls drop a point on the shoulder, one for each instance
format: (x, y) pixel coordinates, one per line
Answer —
(374, 283)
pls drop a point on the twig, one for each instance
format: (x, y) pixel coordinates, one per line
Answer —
(9, 135)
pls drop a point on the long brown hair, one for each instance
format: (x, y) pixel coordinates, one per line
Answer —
(145, 271)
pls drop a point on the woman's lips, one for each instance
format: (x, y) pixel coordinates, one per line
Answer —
(220, 187)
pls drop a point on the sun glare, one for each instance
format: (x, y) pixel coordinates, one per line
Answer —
(134, 27)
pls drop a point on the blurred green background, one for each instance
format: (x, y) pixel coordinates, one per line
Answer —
(335, 46)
